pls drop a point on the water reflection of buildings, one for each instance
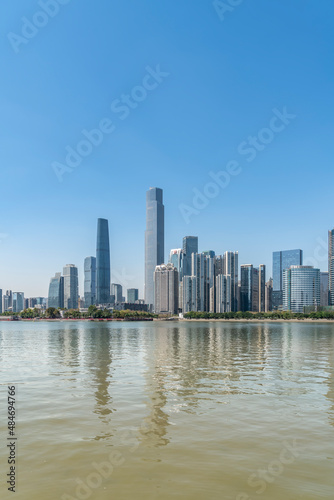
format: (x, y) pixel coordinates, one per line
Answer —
(99, 361)
(153, 431)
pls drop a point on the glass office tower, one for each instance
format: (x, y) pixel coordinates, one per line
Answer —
(154, 239)
(102, 262)
(132, 295)
(301, 288)
(190, 246)
(283, 260)
(90, 281)
(56, 291)
(71, 286)
(18, 302)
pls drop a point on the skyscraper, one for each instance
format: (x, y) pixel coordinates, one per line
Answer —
(223, 293)
(230, 267)
(18, 302)
(324, 289)
(268, 295)
(331, 267)
(262, 288)
(176, 258)
(283, 260)
(190, 246)
(154, 239)
(189, 290)
(56, 291)
(166, 289)
(71, 286)
(0, 300)
(198, 269)
(90, 281)
(249, 293)
(102, 262)
(301, 288)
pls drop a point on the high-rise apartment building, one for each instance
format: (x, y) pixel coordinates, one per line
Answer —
(90, 281)
(324, 290)
(198, 269)
(0, 300)
(190, 246)
(230, 267)
(189, 290)
(268, 296)
(56, 291)
(223, 293)
(166, 289)
(117, 291)
(331, 267)
(262, 288)
(154, 239)
(71, 286)
(7, 301)
(301, 288)
(283, 260)
(132, 295)
(102, 262)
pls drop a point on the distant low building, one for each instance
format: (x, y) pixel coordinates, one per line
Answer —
(123, 306)
(132, 295)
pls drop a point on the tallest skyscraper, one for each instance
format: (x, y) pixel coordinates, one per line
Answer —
(102, 262)
(154, 239)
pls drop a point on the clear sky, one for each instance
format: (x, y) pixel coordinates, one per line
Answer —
(212, 82)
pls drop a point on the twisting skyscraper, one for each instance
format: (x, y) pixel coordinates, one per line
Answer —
(154, 239)
(102, 262)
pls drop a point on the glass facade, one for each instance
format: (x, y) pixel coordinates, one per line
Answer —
(176, 258)
(18, 302)
(154, 239)
(283, 260)
(133, 295)
(324, 296)
(71, 286)
(301, 288)
(190, 246)
(249, 293)
(90, 281)
(56, 292)
(102, 263)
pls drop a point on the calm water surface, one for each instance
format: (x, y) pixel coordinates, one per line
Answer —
(199, 411)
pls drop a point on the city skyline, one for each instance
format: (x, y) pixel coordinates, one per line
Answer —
(318, 260)
(215, 92)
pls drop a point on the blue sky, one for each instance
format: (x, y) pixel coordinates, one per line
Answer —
(222, 79)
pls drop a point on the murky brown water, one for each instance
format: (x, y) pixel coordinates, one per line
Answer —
(199, 411)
